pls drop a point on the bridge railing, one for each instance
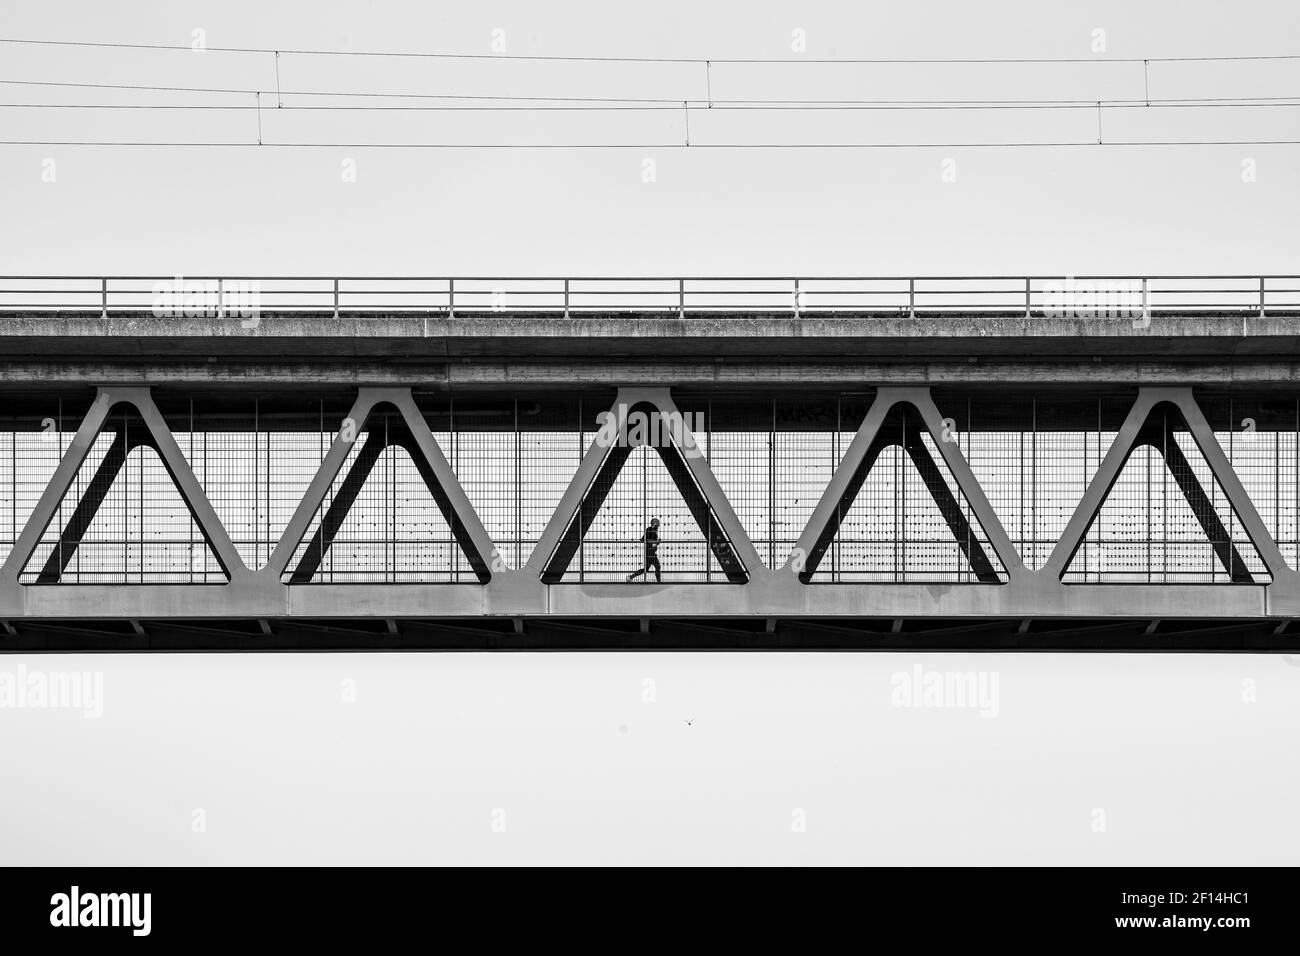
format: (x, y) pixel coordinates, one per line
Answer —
(1059, 296)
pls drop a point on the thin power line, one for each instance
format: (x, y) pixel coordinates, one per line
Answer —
(719, 105)
(128, 86)
(646, 59)
(250, 92)
(662, 145)
(666, 102)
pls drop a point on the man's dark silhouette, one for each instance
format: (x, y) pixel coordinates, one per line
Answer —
(651, 539)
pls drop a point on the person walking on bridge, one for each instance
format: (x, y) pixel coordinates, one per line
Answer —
(651, 541)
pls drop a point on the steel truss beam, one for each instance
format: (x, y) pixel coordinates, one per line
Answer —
(686, 466)
(433, 469)
(1141, 428)
(896, 418)
(159, 437)
(432, 464)
(774, 600)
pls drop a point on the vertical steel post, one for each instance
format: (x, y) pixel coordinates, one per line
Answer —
(582, 540)
(1027, 310)
(336, 297)
(681, 298)
(771, 489)
(103, 297)
(451, 298)
(566, 298)
(519, 481)
(1033, 476)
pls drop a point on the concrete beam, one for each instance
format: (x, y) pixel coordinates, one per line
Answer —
(776, 601)
(490, 375)
(484, 334)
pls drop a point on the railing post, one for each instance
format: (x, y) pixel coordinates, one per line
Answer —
(911, 298)
(103, 296)
(1261, 297)
(451, 298)
(796, 297)
(336, 297)
(681, 298)
(1146, 299)
(221, 298)
(566, 298)
(1027, 300)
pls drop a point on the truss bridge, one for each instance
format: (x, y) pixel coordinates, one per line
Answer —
(356, 463)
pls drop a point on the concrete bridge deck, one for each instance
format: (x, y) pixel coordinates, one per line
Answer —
(637, 348)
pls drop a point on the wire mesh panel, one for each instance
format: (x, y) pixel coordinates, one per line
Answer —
(254, 457)
(393, 532)
(909, 521)
(1034, 455)
(645, 514)
(740, 444)
(1166, 519)
(550, 450)
(1064, 463)
(1258, 434)
(1033, 452)
(229, 465)
(643, 511)
(997, 438)
(514, 457)
(484, 454)
(380, 521)
(34, 434)
(613, 548)
(123, 521)
(774, 458)
(805, 453)
(1073, 434)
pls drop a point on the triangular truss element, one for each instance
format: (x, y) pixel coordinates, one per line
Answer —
(1141, 427)
(336, 530)
(687, 467)
(412, 435)
(917, 408)
(156, 436)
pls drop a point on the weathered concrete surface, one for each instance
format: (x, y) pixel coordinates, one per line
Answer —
(778, 595)
(732, 375)
(748, 335)
(487, 350)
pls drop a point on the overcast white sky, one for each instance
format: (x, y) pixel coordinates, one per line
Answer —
(837, 212)
(1190, 759)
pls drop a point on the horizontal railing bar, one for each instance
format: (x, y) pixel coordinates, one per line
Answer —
(655, 278)
(934, 294)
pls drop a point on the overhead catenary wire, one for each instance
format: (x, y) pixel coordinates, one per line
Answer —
(449, 102)
(660, 145)
(665, 102)
(721, 106)
(648, 59)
